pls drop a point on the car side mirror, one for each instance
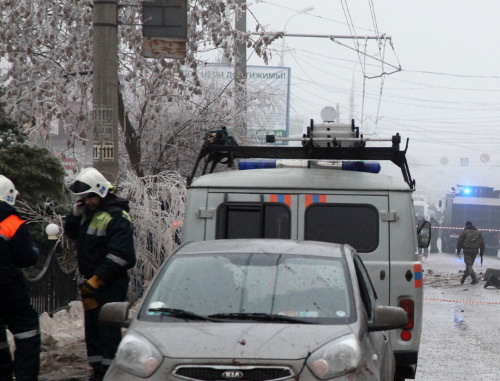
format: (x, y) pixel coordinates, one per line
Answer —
(115, 313)
(424, 233)
(388, 317)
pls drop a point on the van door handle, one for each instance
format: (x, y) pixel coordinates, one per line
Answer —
(382, 275)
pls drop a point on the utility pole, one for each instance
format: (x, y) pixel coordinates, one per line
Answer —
(240, 67)
(105, 88)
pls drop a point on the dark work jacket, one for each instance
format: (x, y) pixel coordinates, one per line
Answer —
(470, 229)
(104, 240)
(17, 252)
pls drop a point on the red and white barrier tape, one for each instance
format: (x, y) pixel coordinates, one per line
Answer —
(454, 228)
(461, 301)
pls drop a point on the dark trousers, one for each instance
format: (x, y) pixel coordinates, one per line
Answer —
(23, 323)
(102, 340)
(469, 259)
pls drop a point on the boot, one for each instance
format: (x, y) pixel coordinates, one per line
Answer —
(474, 280)
(463, 279)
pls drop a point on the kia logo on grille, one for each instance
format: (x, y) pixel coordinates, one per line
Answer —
(232, 375)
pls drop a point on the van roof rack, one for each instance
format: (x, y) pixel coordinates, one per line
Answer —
(322, 142)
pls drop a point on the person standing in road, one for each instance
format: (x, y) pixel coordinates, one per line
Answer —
(434, 234)
(17, 250)
(101, 226)
(472, 243)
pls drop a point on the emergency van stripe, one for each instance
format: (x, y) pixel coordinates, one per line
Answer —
(283, 198)
(287, 199)
(9, 226)
(419, 276)
(314, 198)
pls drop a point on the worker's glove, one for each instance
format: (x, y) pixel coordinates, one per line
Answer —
(78, 208)
(87, 291)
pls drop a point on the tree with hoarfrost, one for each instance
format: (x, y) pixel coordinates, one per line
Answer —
(164, 108)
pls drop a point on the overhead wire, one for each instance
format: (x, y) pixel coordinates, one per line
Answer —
(434, 105)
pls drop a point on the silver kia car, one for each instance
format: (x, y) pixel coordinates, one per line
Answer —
(261, 310)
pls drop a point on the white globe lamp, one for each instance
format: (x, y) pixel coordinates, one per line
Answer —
(52, 231)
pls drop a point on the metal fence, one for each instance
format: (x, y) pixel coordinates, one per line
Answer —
(54, 287)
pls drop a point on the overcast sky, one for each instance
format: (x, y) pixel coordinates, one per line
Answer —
(446, 99)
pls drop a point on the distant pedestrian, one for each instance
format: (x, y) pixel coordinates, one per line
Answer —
(434, 234)
(421, 250)
(101, 226)
(472, 242)
(17, 250)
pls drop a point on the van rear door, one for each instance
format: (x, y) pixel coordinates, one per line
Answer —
(251, 215)
(353, 219)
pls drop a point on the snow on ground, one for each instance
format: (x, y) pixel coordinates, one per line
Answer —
(63, 354)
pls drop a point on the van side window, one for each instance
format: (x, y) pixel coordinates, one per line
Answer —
(355, 224)
(253, 220)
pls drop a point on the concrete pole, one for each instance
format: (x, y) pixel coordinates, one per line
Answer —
(240, 69)
(105, 88)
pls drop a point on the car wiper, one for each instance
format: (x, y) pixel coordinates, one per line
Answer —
(260, 316)
(181, 314)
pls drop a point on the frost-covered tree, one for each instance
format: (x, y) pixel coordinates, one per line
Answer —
(163, 106)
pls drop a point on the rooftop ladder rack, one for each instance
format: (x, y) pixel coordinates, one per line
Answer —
(323, 142)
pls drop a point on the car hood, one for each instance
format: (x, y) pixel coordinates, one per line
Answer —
(242, 340)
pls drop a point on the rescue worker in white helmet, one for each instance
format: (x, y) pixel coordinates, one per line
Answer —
(17, 250)
(101, 226)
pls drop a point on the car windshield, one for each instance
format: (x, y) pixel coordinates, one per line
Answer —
(236, 285)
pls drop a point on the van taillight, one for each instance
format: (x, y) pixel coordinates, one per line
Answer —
(409, 306)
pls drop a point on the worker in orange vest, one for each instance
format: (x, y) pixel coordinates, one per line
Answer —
(17, 250)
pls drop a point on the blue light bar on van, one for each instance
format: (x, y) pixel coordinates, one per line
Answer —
(359, 166)
(256, 163)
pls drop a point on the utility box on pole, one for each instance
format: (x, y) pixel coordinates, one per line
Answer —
(164, 28)
(105, 88)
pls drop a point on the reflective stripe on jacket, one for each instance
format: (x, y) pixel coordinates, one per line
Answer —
(9, 226)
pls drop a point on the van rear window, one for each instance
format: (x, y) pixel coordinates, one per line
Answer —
(355, 224)
(253, 220)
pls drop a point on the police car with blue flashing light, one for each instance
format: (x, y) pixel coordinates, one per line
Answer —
(479, 204)
(329, 189)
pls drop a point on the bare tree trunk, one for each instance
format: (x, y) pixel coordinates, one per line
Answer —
(132, 139)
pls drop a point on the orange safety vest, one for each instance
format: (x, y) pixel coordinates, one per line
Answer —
(9, 226)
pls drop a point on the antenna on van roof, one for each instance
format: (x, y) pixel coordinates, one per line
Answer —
(332, 144)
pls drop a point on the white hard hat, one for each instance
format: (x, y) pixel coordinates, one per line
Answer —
(8, 191)
(90, 180)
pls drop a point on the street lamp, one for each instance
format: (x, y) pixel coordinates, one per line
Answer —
(305, 10)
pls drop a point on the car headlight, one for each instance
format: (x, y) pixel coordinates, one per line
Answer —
(339, 357)
(137, 355)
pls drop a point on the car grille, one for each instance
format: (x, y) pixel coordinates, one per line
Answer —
(230, 373)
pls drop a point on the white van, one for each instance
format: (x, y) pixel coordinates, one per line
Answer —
(313, 201)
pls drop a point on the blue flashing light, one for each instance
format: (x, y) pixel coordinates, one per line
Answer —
(466, 191)
(256, 163)
(361, 166)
